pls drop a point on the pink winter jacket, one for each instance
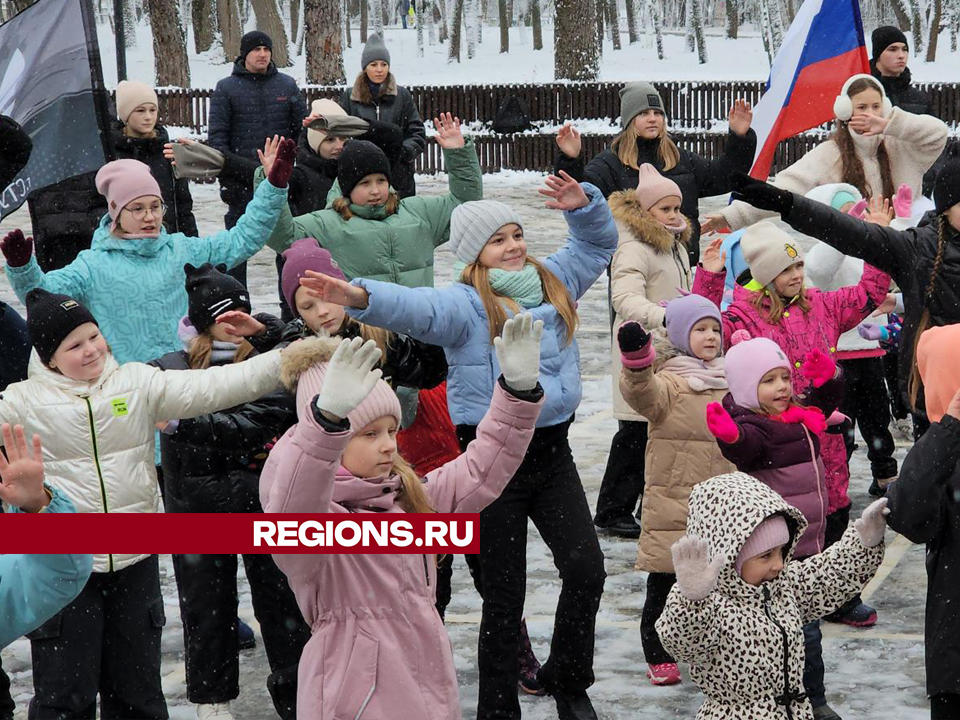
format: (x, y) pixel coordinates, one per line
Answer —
(379, 650)
(831, 314)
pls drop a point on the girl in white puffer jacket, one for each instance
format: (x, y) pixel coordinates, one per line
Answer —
(98, 420)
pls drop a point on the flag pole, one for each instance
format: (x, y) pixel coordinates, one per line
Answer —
(101, 103)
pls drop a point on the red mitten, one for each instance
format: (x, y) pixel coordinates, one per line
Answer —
(818, 367)
(16, 248)
(283, 163)
(720, 424)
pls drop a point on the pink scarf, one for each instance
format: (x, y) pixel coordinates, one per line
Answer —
(699, 375)
(809, 416)
(355, 493)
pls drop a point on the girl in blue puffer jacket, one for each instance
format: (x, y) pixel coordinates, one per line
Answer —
(497, 280)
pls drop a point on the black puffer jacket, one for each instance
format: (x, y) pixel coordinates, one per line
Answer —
(393, 104)
(246, 108)
(906, 256)
(176, 193)
(15, 147)
(64, 217)
(902, 93)
(696, 176)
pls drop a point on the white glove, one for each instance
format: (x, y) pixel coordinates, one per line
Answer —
(873, 523)
(350, 377)
(696, 572)
(518, 351)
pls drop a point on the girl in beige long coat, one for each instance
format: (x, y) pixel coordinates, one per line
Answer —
(671, 381)
(651, 265)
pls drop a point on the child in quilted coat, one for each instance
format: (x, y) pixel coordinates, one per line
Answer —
(379, 647)
(670, 381)
(740, 602)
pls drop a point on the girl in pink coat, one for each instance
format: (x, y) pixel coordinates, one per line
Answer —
(379, 650)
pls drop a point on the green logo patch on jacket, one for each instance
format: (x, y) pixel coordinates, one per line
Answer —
(119, 407)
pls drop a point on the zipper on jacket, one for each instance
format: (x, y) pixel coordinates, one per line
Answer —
(684, 274)
(788, 697)
(96, 463)
(426, 570)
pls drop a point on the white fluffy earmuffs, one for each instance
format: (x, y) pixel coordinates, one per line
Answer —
(843, 105)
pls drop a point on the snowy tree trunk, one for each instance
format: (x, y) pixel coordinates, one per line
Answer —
(444, 22)
(294, 20)
(347, 37)
(228, 19)
(632, 33)
(688, 38)
(268, 20)
(764, 21)
(613, 21)
(916, 25)
(169, 45)
(698, 33)
(954, 27)
(576, 55)
(456, 25)
(376, 13)
(321, 20)
(430, 20)
(471, 9)
(364, 19)
(537, 24)
(776, 26)
(733, 18)
(130, 24)
(934, 30)
(598, 14)
(420, 20)
(202, 12)
(504, 27)
(656, 19)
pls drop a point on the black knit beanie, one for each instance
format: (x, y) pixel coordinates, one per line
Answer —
(211, 292)
(946, 189)
(884, 37)
(252, 40)
(50, 318)
(359, 159)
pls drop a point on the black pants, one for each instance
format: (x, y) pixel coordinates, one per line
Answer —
(622, 483)
(444, 580)
(836, 526)
(658, 587)
(891, 370)
(866, 403)
(105, 642)
(813, 670)
(945, 706)
(7, 705)
(234, 212)
(547, 490)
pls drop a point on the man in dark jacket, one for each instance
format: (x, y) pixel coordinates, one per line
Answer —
(254, 103)
(889, 65)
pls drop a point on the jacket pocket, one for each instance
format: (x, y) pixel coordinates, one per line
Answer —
(158, 617)
(360, 679)
(50, 630)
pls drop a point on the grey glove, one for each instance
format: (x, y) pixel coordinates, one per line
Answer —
(196, 161)
(350, 377)
(518, 351)
(696, 572)
(872, 524)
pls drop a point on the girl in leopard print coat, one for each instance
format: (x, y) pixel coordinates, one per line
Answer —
(742, 632)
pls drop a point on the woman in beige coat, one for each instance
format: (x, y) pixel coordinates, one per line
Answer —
(651, 265)
(671, 380)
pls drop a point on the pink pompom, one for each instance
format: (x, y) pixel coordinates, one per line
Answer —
(739, 336)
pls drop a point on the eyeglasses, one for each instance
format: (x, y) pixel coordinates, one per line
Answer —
(139, 212)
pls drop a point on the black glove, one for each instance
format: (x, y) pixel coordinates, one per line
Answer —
(760, 194)
(632, 337)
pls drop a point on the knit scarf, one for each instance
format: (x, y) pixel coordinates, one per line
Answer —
(677, 229)
(699, 375)
(524, 287)
(355, 493)
(222, 353)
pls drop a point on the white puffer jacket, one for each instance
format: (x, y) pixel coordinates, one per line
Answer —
(98, 438)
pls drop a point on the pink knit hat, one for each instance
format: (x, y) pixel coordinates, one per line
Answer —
(654, 187)
(746, 364)
(381, 401)
(305, 254)
(121, 181)
(769, 534)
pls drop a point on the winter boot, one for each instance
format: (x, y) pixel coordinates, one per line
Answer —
(623, 528)
(529, 665)
(574, 706)
(214, 711)
(245, 636)
(858, 615)
(282, 686)
(664, 674)
(825, 712)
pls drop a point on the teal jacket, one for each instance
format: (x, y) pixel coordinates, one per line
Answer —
(135, 288)
(34, 588)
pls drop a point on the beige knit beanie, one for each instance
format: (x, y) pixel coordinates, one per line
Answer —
(131, 94)
(769, 251)
(327, 108)
(653, 187)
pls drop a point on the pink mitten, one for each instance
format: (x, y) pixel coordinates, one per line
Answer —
(903, 201)
(818, 367)
(721, 425)
(858, 209)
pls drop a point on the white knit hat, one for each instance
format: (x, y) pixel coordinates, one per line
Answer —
(131, 94)
(327, 108)
(769, 251)
(473, 223)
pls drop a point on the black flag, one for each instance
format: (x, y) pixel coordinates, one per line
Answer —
(51, 83)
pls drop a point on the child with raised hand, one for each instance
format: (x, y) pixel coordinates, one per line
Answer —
(33, 587)
(132, 276)
(924, 508)
(499, 279)
(99, 421)
(737, 611)
(369, 230)
(670, 381)
(378, 643)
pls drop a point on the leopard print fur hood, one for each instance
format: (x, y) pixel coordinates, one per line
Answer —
(744, 643)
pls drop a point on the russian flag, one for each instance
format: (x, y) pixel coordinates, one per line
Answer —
(823, 47)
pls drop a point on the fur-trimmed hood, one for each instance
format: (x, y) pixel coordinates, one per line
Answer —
(665, 349)
(639, 225)
(300, 356)
(361, 90)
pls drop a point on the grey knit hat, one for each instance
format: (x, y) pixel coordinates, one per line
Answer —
(374, 50)
(475, 222)
(636, 97)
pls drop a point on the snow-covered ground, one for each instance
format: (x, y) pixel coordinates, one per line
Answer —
(741, 59)
(876, 673)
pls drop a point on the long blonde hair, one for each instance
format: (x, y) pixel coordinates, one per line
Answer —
(555, 292)
(411, 496)
(625, 146)
(777, 305)
(201, 350)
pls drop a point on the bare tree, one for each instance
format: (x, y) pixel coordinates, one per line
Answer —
(471, 13)
(228, 18)
(504, 27)
(268, 20)
(130, 24)
(169, 45)
(376, 9)
(632, 32)
(937, 13)
(294, 20)
(364, 19)
(203, 14)
(321, 20)
(456, 23)
(575, 52)
(537, 25)
(696, 22)
(598, 16)
(733, 18)
(613, 22)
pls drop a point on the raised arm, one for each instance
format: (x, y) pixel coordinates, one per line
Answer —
(25, 274)
(246, 429)
(713, 176)
(924, 136)
(853, 304)
(641, 388)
